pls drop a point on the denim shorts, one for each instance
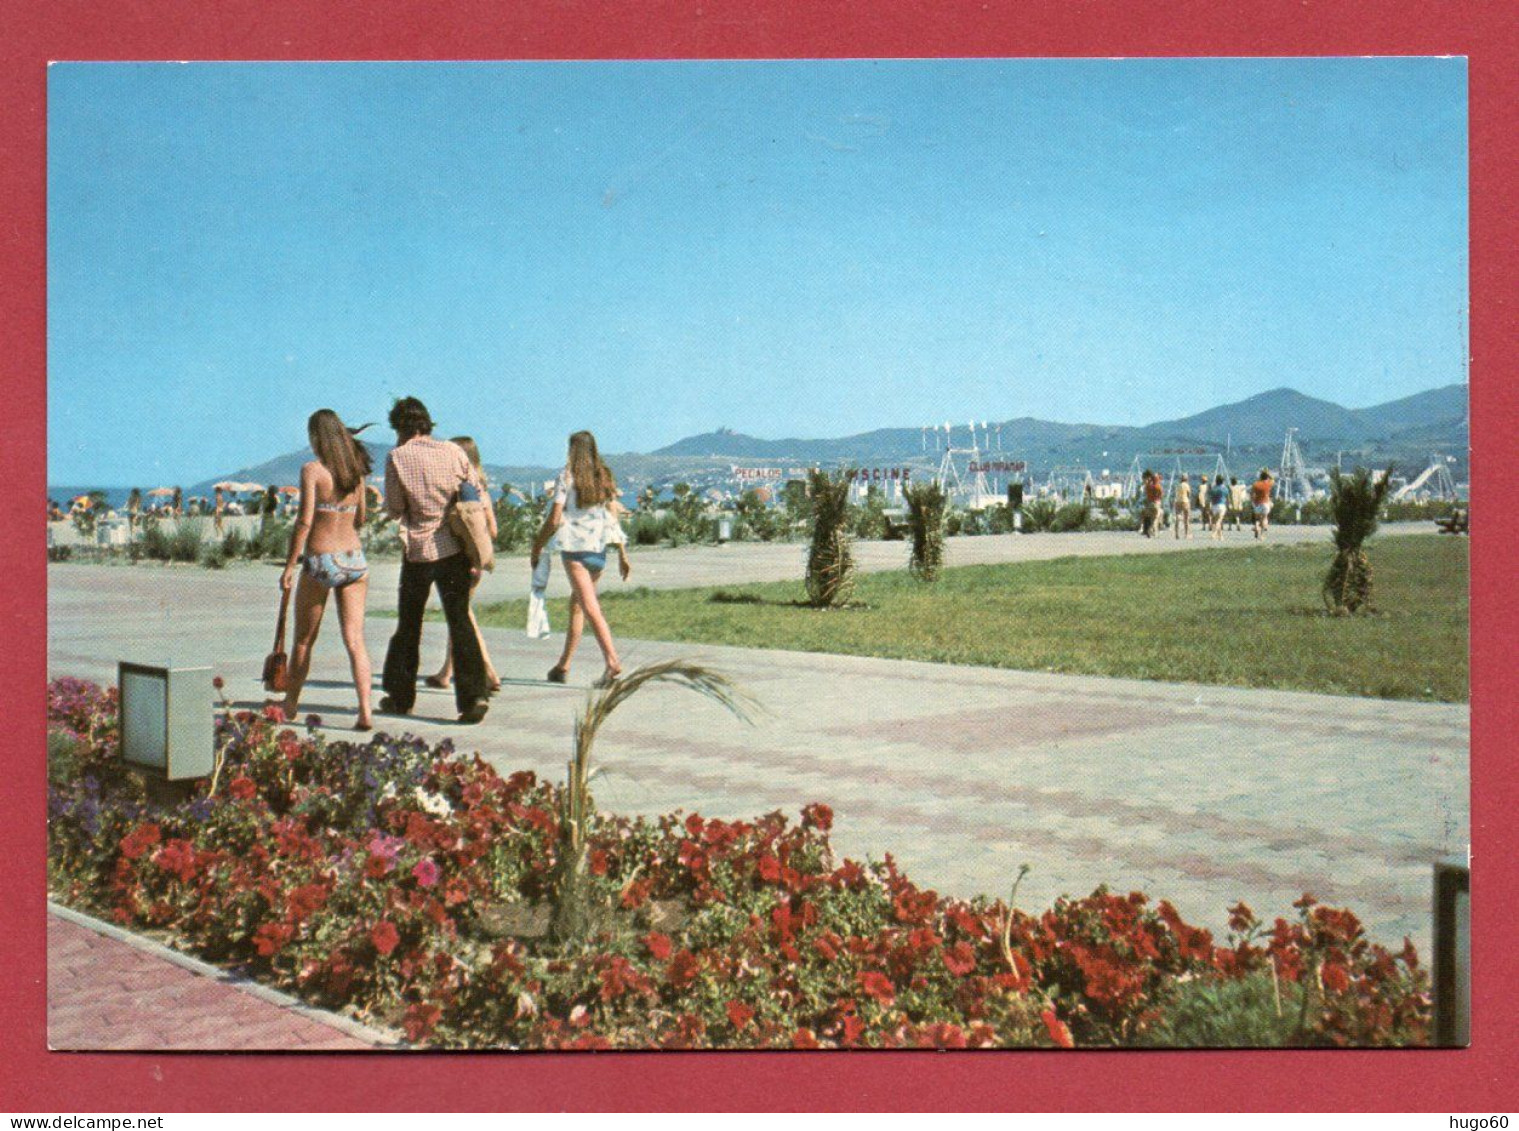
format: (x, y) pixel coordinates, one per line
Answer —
(336, 570)
(593, 560)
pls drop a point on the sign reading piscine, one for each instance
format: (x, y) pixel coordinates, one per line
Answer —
(878, 474)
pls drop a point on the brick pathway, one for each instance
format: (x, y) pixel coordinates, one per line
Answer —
(106, 993)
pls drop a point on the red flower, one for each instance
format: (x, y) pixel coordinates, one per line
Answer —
(877, 985)
(273, 713)
(1057, 1030)
(425, 872)
(817, 816)
(658, 945)
(804, 1039)
(218, 682)
(1335, 978)
(960, 959)
(739, 1014)
(682, 970)
(385, 936)
(271, 938)
(139, 840)
(598, 862)
(306, 900)
(769, 868)
(242, 788)
(421, 1019)
(377, 865)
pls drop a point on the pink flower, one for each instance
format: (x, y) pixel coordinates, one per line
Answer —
(426, 872)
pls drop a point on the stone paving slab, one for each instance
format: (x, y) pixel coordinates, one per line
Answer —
(111, 991)
(1202, 795)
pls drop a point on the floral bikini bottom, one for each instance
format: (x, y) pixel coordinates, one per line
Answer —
(336, 570)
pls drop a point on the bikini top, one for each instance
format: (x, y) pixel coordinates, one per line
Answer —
(337, 508)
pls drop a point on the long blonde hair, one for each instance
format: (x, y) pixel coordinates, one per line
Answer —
(339, 451)
(473, 452)
(594, 484)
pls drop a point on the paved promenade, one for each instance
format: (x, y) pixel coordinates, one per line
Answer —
(1202, 795)
(112, 991)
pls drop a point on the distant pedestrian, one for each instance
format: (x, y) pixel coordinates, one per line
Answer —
(1218, 503)
(1239, 498)
(1181, 508)
(1153, 492)
(177, 507)
(582, 516)
(1260, 499)
(134, 509)
(422, 476)
(220, 511)
(445, 674)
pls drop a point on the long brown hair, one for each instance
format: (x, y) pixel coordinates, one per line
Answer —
(339, 451)
(468, 444)
(594, 484)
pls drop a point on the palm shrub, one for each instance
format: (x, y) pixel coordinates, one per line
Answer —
(830, 560)
(574, 916)
(925, 524)
(1354, 500)
(1039, 515)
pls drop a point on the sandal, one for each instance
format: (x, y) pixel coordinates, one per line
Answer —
(558, 674)
(440, 684)
(608, 677)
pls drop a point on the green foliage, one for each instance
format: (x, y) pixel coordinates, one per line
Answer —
(234, 545)
(757, 519)
(1356, 500)
(59, 553)
(214, 556)
(869, 519)
(688, 512)
(1222, 1014)
(830, 559)
(925, 522)
(1039, 515)
(1071, 516)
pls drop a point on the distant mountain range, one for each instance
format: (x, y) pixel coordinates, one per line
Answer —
(1405, 431)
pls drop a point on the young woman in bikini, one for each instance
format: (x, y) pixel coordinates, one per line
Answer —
(326, 550)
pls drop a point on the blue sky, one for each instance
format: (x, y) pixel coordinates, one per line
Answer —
(783, 248)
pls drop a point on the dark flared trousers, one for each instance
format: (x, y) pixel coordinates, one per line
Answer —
(452, 577)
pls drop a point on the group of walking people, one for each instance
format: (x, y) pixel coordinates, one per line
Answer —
(1218, 504)
(424, 476)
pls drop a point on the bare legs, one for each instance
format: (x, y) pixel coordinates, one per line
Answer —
(310, 604)
(585, 605)
(351, 600)
(445, 674)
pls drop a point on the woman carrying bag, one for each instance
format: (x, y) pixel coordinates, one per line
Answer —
(584, 520)
(445, 674)
(326, 552)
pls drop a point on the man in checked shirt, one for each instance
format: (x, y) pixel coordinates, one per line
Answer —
(422, 476)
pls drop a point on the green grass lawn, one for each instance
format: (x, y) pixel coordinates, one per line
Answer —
(1247, 617)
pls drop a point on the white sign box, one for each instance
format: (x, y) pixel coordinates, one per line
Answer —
(166, 719)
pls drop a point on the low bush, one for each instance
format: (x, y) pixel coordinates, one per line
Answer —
(414, 886)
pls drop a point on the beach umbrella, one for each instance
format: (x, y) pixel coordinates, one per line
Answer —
(82, 501)
(290, 490)
(162, 492)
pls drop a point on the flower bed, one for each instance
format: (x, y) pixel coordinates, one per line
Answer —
(410, 886)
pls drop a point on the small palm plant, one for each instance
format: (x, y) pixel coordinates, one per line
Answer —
(1355, 500)
(925, 521)
(573, 913)
(830, 561)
